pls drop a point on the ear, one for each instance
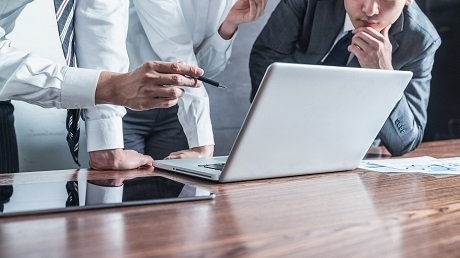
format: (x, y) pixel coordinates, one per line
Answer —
(408, 2)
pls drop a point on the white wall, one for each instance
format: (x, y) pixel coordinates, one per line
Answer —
(41, 132)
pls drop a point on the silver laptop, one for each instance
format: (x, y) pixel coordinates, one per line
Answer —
(304, 119)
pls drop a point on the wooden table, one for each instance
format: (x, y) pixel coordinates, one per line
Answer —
(346, 214)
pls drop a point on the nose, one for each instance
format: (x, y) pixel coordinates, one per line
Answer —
(370, 8)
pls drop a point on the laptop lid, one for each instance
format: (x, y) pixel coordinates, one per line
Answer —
(310, 119)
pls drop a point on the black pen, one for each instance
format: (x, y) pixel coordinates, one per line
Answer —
(211, 82)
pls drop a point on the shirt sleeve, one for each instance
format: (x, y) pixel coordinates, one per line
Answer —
(168, 35)
(29, 78)
(96, 194)
(39, 81)
(101, 28)
(214, 52)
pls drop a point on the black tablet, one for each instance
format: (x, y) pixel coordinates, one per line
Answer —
(35, 198)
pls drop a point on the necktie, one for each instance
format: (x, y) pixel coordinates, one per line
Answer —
(64, 17)
(339, 54)
(72, 194)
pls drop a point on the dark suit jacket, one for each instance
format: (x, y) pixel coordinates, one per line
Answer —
(303, 31)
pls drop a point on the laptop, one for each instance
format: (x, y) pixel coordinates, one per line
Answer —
(304, 119)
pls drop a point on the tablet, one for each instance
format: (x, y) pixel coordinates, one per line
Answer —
(21, 199)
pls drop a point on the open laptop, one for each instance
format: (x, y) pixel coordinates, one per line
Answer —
(304, 119)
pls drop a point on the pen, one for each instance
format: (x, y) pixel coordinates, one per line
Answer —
(211, 82)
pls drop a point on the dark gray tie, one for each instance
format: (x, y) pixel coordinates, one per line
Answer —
(64, 16)
(339, 54)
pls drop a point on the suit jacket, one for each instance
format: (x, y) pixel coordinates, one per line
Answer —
(303, 31)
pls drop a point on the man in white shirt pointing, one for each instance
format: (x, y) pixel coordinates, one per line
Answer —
(100, 34)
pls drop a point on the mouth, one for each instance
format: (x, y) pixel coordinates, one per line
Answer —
(369, 23)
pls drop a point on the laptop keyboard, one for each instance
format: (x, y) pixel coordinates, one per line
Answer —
(216, 166)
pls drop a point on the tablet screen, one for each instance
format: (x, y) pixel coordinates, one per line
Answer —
(34, 198)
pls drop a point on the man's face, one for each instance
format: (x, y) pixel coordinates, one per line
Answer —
(377, 14)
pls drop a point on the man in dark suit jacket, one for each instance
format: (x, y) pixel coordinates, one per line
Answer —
(387, 34)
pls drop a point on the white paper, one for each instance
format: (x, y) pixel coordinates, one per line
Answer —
(424, 164)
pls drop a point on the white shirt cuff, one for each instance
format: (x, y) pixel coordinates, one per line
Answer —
(104, 134)
(204, 136)
(79, 88)
(96, 194)
(220, 44)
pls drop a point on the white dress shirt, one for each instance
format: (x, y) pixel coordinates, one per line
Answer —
(96, 194)
(347, 26)
(182, 30)
(29, 78)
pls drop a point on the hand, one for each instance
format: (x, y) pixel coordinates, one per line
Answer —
(117, 178)
(148, 86)
(242, 11)
(197, 152)
(107, 182)
(372, 48)
(118, 159)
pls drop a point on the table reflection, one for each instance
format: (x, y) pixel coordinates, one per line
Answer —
(82, 194)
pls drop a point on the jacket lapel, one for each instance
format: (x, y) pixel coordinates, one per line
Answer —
(328, 21)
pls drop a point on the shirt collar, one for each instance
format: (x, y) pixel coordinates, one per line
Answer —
(347, 25)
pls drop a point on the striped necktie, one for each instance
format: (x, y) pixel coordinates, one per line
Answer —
(64, 16)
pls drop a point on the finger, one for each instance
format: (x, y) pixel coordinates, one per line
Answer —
(173, 79)
(261, 8)
(150, 103)
(356, 50)
(252, 14)
(365, 41)
(175, 68)
(369, 31)
(135, 159)
(265, 3)
(385, 31)
(143, 161)
(160, 91)
(173, 156)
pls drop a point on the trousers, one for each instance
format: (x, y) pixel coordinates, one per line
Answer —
(9, 157)
(155, 132)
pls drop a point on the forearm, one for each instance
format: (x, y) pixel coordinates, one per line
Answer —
(227, 30)
(213, 54)
(41, 82)
(194, 116)
(403, 130)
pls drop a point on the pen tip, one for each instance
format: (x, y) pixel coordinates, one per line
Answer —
(222, 86)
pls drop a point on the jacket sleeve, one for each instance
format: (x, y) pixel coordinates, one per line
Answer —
(277, 40)
(403, 131)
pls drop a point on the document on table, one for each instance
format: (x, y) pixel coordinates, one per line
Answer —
(424, 164)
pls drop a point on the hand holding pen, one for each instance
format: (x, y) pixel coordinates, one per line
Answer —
(211, 82)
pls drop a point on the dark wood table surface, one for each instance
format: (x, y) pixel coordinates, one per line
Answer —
(345, 214)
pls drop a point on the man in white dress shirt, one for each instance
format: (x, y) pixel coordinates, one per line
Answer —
(199, 32)
(100, 46)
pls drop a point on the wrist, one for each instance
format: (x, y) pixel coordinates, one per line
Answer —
(105, 88)
(104, 159)
(227, 30)
(205, 151)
